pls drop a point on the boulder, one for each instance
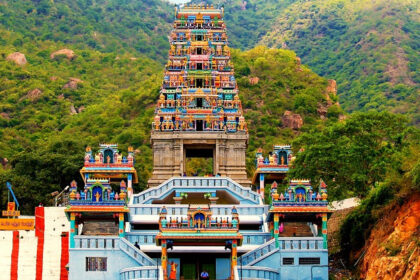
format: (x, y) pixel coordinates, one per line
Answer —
(72, 83)
(254, 80)
(322, 111)
(73, 110)
(293, 121)
(4, 162)
(5, 115)
(18, 58)
(63, 52)
(34, 94)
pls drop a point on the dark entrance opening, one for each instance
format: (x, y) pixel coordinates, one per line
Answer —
(199, 37)
(199, 50)
(199, 66)
(198, 159)
(199, 125)
(199, 83)
(199, 102)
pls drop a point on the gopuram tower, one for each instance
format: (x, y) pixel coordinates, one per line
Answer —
(199, 113)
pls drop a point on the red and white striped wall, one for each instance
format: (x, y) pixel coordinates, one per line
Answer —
(37, 255)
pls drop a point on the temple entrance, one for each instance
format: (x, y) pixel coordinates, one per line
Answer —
(199, 159)
(192, 266)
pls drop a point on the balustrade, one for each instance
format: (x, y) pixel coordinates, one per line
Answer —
(142, 272)
(253, 272)
(184, 182)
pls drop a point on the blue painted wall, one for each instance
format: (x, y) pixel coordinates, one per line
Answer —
(296, 271)
(116, 261)
(222, 268)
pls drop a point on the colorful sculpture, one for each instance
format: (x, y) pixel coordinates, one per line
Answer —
(199, 84)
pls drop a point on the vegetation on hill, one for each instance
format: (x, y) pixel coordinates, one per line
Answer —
(120, 26)
(47, 121)
(358, 154)
(371, 48)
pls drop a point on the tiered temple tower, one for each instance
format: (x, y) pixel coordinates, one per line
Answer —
(199, 113)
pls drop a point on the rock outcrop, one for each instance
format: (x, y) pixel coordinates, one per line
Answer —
(18, 58)
(293, 121)
(392, 250)
(33, 94)
(253, 80)
(72, 83)
(63, 52)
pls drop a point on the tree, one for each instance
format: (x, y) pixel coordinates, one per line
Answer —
(352, 156)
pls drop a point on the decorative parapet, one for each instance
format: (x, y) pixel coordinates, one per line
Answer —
(280, 157)
(300, 193)
(199, 219)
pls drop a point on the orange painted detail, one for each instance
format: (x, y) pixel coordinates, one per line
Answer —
(301, 209)
(15, 257)
(64, 275)
(17, 224)
(97, 209)
(39, 232)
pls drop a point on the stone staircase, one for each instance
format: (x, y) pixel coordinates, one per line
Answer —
(258, 253)
(296, 229)
(94, 228)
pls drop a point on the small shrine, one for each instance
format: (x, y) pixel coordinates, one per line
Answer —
(272, 168)
(299, 202)
(97, 199)
(198, 228)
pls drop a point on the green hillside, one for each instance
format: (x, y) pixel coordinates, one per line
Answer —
(370, 47)
(51, 108)
(109, 26)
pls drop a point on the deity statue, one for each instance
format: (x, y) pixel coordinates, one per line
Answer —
(161, 102)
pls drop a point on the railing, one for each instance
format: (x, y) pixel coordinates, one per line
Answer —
(255, 272)
(257, 238)
(112, 243)
(301, 243)
(149, 238)
(177, 210)
(285, 244)
(135, 253)
(258, 253)
(142, 272)
(142, 238)
(191, 182)
(96, 242)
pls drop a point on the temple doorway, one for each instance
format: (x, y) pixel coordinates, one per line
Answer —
(199, 159)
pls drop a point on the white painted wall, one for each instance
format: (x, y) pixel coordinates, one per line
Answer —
(55, 223)
(6, 245)
(27, 255)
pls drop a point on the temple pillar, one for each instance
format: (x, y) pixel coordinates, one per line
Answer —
(121, 232)
(164, 260)
(262, 183)
(76, 228)
(234, 260)
(129, 185)
(324, 230)
(276, 229)
(72, 228)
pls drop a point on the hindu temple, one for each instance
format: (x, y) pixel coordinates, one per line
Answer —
(199, 113)
(187, 224)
